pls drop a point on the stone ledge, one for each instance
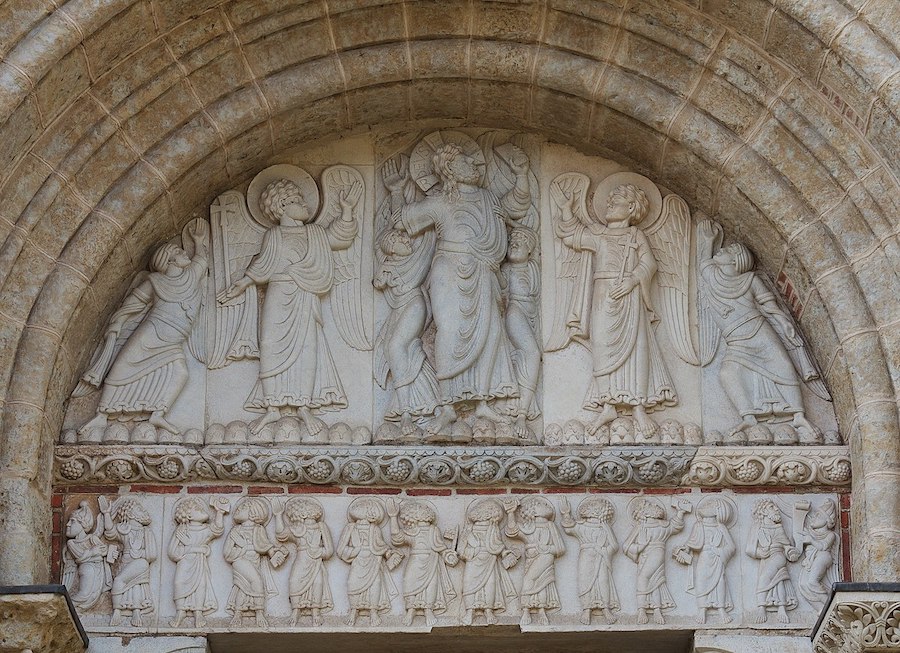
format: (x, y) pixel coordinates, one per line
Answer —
(39, 618)
(636, 466)
(860, 618)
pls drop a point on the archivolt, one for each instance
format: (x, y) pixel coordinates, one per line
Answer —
(122, 120)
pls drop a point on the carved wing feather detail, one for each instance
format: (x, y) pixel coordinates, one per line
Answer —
(351, 300)
(237, 238)
(670, 239)
(571, 314)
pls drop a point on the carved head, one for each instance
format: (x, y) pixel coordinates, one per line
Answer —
(130, 510)
(715, 509)
(522, 242)
(765, 510)
(416, 513)
(455, 167)
(251, 509)
(648, 508)
(283, 203)
(169, 255)
(191, 509)
(80, 521)
(303, 509)
(366, 509)
(824, 518)
(735, 254)
(627, 202)
(596, 509)
(536, 507)
(484, 510)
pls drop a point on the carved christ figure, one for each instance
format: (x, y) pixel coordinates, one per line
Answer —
(763, 351)
(472, 353)
(297, 372)
(628, 368)
(143, 377)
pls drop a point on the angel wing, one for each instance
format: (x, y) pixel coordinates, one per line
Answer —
(237, 238)
(197, 337)
(795, 345)
(670, 240)
(709, 332)
(351, 301)
(106, 352)
(571, 313)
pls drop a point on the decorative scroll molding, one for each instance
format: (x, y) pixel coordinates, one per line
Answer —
(860, 622)
(448, 466)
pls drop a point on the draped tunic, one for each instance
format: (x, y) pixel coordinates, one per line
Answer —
(190, 550)
(472, 355)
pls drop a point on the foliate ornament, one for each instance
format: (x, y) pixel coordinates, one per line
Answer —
(320, 470)
(282, 471)
(483, 470)
(119, 470)
(358, 471)
(72, 469)
(860, 625)
(525, 471)
(439, 471)
(398, 470)
(569, 471)
(726, 466)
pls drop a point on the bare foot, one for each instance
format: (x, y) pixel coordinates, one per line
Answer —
(489, 617)
(177, 620)
(351, 618)
(783, 615)
(467, 618)
(645, 424)
(261, 620)
(444, 417)
(429, 617)
(99, 421)
(408, 427)
(269, 417)
(159, 421)
(543, 619)
(723, 614)
(607, 415)
(658, 617)
(610, 617)
(526, 617)
(487, 412)
(586, 617)
(374, 619)
(137, 622)
(643, 617)
(701, 618)
(758, 616)
(410, 615)
(295, 617)
(313, 425)
(801, 423)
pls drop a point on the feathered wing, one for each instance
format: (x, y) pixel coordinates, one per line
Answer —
(708, 330)
(197, 338)
(571, 312)
(108, 349)
(670, 239)
(237, 238)
(796, 346)
(351, 298)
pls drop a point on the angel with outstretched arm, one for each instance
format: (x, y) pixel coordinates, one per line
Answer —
(142, 363)
(758, 372)
(297, 373)
(615, 265)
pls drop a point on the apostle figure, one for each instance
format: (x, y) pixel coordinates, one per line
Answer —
(128, 523)
(189, 550)
(143, 378)
(487, 587)
(593, 530)
(708, 549)
(308, 585)
(86, 571)
(472, 352)
(817, 537)
(770, 545)
(427, 587)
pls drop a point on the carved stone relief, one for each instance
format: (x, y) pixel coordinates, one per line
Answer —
(370, 561)
(455, 287)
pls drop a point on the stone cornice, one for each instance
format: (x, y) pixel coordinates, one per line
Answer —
(644, 466)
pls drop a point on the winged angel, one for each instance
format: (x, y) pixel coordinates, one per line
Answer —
(614, 281)
(300, 261)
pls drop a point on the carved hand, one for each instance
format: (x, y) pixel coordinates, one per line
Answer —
(621, 289)
(393, 508)
(198, 230)
(564, 201)
(103, 504)
(394, 175)
(235, 290)
(708, 230)
(519, 163)
(510, 504)
(349, 198)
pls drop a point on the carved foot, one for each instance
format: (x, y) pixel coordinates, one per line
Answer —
(444, 417)
(643, 617)
(607, 415)
(467, 618)
(783, 616)
(374, 619)
(758, 616)
(351, 618)
(723, 614)
(430, 619)
(158, 420)
(410, 615)
(99, 421)
(317, 620)
(489, 618)
(646, 425)
(543, 619)
(409, 430)
(526, 617)
(585, 617)
(701, 618)
(610, 617)
(261, 621)
(487, 412)
(658, 617)
(270, 417)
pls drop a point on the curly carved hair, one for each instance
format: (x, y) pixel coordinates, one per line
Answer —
(366, 509)
(761, 507)
(633, 195)
(274, 196)
(185, 508)
(253, 509)
(299, 509)
(533, 507)
(484, 510)
(596, 508)
(413, 512)
(129, 509)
